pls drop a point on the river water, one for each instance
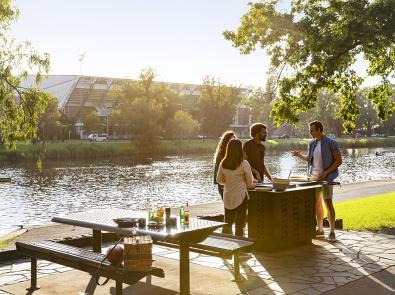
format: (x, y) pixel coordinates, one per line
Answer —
(34, 196)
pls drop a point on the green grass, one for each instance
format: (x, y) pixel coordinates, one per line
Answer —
(83, 149)
(371, 213)
(5, 243)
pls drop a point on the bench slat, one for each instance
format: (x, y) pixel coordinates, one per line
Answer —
(82, 259)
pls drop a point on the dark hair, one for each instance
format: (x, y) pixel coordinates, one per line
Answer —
(317, 125)
(221, 147)
(234, 155)
(256, 128)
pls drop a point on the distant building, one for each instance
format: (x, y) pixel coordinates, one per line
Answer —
(80, 95)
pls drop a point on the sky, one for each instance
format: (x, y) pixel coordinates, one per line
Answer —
(182, 40)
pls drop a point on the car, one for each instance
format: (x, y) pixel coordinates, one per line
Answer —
(331, 135)
(98, 137)
(284, 136)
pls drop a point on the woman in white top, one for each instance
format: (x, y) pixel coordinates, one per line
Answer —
(235, 175)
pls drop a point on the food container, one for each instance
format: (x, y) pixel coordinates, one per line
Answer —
(126, 222)
(280, 184)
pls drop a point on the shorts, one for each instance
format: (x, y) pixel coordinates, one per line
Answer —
(326, 192)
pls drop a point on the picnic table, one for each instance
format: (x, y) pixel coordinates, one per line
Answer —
(184, 234)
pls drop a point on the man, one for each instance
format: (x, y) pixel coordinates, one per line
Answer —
(255, 151)
(323, 160)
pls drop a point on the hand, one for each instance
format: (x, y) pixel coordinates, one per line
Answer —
(295, 153)
(323, 176)
(258, 176)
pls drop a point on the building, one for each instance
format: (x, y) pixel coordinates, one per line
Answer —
(80, 95)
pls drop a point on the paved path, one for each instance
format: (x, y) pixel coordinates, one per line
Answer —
(345, 267)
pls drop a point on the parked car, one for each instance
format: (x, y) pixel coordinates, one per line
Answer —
(331, 135)
(98, 137)
(284, 136)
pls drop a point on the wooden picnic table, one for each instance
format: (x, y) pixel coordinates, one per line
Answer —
(184, 234)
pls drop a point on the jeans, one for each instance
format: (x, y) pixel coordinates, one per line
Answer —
(238, 216)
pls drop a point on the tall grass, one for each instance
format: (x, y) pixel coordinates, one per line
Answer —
(81, 150)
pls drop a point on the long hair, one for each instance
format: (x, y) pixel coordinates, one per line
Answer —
(221, 147)
(234, 155)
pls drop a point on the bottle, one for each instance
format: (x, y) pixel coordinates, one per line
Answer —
(150, 215)
(167, 212)
(182, 214)
(186, 216)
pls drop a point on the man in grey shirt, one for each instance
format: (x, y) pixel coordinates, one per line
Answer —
(323, 160)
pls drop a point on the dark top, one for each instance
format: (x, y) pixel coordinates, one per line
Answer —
(328, 147)
(255, 153)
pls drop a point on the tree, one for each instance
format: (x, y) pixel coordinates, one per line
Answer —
(92, 122)
(368, 117)
(144, 107)
(318, 42)
(49, 126)
(182, 126)
(19, 107)
(144, 120)
(218, 104)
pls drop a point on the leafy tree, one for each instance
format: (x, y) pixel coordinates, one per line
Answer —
(368, 117)
(143, 105)
(49, 126)
(19, 107)
(316, 44)
(218, 104)
(144, 120)
(182, 126)
(92, 122)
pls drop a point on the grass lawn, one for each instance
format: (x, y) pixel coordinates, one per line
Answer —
(372, 213)
(5, 243)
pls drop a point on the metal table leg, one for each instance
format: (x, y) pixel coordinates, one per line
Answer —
(184, 269)
(96, 241)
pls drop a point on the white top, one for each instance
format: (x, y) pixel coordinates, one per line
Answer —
(235, 184)
(318, 167)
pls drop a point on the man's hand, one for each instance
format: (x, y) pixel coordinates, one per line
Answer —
(323, 176)
(257, 176)
(295, 153)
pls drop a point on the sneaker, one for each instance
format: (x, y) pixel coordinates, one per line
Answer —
(319, 233)
(332, 237)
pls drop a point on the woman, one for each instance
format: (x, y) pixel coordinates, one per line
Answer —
(219, 155)
(235, 175)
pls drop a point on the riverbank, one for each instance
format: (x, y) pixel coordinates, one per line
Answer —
(363, 193)
(83, 150)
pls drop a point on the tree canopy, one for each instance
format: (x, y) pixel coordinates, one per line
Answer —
(19, 108)
(314, 46)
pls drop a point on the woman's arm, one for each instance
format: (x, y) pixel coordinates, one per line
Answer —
(220, 176)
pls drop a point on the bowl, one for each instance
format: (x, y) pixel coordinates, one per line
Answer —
(280, 184)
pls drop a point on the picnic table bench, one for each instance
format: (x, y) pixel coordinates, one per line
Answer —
(81, 259)
(221, 245)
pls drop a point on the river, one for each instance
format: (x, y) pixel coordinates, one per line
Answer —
(34, 196)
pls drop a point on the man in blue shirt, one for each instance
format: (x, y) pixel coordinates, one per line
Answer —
(323, 160)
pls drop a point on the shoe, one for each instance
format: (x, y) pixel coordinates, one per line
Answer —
(319, 233)
(332, 237)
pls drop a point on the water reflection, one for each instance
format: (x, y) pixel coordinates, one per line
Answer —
(35, 197)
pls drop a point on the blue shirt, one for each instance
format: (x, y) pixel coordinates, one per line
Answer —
(328, 147)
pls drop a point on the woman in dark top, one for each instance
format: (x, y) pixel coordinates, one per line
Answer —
(219, 155)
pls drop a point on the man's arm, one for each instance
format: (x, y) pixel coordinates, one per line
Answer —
(254, 171)
(299, 155)
(338, 161)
